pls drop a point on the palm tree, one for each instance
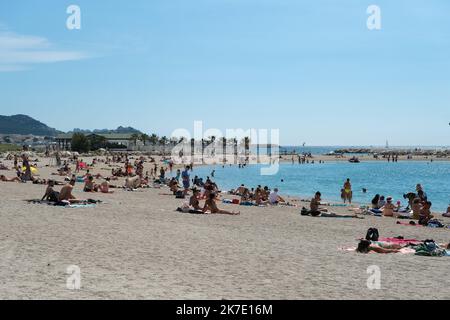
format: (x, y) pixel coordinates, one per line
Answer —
(235, 147)
(144, 137)
(224, 149)
(163, 142)
(134, 137)
(192, 149)
(247, 146)
(153, 139)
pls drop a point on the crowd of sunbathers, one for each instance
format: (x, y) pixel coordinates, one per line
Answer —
(418, 208)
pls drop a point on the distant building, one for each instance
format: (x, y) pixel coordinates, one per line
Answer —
(64, 140)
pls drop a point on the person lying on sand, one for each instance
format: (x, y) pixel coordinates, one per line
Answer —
(210, 204)
(366, 246)
(5, 179)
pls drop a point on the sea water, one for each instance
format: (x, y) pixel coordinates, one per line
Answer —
(378, 177)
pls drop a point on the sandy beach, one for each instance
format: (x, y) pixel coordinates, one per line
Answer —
(135, 245)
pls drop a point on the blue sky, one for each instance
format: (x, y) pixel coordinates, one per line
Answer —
(310, 68)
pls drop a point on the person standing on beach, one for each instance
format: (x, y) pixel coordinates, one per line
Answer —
(26, 164)
(186, 179)
(348, 194)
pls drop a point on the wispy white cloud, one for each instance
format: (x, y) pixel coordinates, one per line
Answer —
(19, 52)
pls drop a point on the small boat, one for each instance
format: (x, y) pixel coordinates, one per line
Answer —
(354, 160)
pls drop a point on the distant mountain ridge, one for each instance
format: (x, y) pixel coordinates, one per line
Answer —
(23, 124)
(26, 125)
(120, 129)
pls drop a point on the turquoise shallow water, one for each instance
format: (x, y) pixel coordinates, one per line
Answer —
(389, 179)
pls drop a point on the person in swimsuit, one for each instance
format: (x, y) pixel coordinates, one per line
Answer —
(416, 208)
(193, 201)
(425, 213)
(366, 246)
(89, 185)
(348, 194)
(314, 205)
(105, 185)
(210, 204)
(66, 193)
(388, 208)
(50, 194)
(5, 179)
(447, 214)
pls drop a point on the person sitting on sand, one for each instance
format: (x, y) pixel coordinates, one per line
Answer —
(259, 197)
(105, 185)
(5, 179)
(416, 208)
(425, 213)
(65, 195)
(447, 214)
(274, 198)
(50, 194)
(89, 185)
(366, 246)
(133, 182)
(210, 204)
(193, 200)
(314, 205)
(375, 202)
(388, 208)
(173, 185)
(241, 190)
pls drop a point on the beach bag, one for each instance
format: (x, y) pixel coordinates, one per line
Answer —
(235, 201)
(372, 234)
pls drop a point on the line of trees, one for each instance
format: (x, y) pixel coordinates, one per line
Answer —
(82, 143)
